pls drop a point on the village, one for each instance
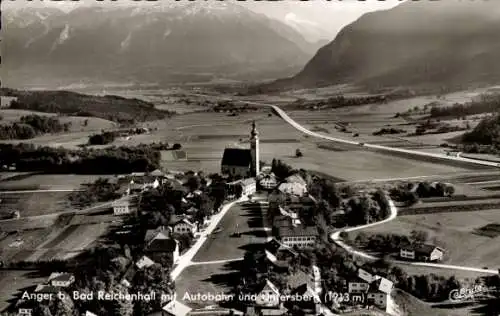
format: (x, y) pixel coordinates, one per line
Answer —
(165, 218)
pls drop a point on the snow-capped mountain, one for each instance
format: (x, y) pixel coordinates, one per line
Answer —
(154, 43)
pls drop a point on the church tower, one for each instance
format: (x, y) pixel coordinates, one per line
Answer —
(254, 150)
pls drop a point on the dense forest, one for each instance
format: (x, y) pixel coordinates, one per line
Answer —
(109, 107)
(30, 126)
(28, 157)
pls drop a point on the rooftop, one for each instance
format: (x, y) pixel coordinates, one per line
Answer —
(237, 157)
(162, 245)
(298, 231)
(176, 308)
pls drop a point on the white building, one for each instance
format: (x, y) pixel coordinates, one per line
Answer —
(121, 207)
(299, 236)
(176, 308)
(297, 189)
(182, 226)
(248, 186)
(61, 279)
(269, 296)
(144, 262)
(423, 252)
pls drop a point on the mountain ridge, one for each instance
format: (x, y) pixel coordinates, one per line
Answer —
(413, 44)
(150, 44)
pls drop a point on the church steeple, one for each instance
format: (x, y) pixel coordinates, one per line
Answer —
(254, 150)
(254, 132)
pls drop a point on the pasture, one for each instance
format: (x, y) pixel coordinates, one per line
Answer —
(78, 123)
(34, 203)
(456, 232)
(49, 182)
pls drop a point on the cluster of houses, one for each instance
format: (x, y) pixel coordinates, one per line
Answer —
(370, 289)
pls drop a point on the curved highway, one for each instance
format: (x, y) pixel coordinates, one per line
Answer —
(290, 121)
(301, 128)
(393, 214)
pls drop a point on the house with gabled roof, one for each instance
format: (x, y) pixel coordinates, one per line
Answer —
(379, 292)
(268, 296)
(422, 252)
(158, 233)
(182, 225)
(360, 284)
(298, 236)
(157, 248)
(176, 308)
(121, 206)
(61, 279)
(144, 262)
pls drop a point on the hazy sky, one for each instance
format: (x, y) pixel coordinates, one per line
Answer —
(316, 19)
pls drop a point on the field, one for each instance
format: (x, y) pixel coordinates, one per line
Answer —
(48, 182)
(70, 241)
(36, 203)
(12, 282)
(204, 144)
(456, 232)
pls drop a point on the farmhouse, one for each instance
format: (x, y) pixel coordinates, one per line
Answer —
(144, 262)
(121, 207)
(182, 225)
(248, 186)
(422, 252)
(158, 233)
(159, 247)
(242, 162)
(175, 308)
(268, 182)
(61, 279)
(268, 296)
(376, 288)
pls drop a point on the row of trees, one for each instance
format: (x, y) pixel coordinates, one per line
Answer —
(98, 191)
(113, 160)
(389, 243)
(31, 126)
(484, 104)
(407, 194)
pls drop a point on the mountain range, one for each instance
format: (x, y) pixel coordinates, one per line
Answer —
(425, 44)
(157, 44)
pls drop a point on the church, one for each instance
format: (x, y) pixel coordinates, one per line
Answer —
(242, 162)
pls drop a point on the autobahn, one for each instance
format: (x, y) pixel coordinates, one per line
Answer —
(280, 112)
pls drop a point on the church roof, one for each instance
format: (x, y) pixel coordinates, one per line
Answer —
(237, 157)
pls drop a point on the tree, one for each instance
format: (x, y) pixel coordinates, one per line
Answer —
(193, 183)
(298, 153)
(449, 190)
(176, 146)
(419, 236)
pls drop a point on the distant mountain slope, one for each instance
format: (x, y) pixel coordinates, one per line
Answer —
(149, 43)
(109, 107)
(442, 43)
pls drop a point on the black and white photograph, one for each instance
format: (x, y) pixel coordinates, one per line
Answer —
(252, 158)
